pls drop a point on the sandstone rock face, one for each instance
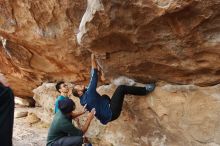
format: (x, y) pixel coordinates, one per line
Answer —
(173, 115)
(38, 43)
(45, 97)
(147, 40)
(24, 102)
(176, 41)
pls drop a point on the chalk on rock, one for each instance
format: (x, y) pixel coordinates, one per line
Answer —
(124, 81)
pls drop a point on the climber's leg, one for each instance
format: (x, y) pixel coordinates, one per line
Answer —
(118, 97)
(69, 141)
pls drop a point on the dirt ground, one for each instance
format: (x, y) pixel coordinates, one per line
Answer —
(27, 132)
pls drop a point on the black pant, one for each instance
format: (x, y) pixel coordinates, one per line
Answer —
(69, 141)
(118, 98)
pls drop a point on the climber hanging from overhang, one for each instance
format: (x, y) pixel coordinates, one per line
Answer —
(107, 110)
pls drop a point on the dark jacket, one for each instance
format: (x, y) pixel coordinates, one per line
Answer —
(6, 115)
(94, 100)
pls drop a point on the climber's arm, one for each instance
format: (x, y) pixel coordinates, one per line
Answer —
(77, 114)
(94, 75)
(93, 60)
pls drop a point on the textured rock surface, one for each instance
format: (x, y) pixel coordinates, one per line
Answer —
(173, 115)
(38, 42)
(20, 114)
(27, 133)
(176, 41)
(29, 102)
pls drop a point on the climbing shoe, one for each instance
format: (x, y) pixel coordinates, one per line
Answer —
(150, 87)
